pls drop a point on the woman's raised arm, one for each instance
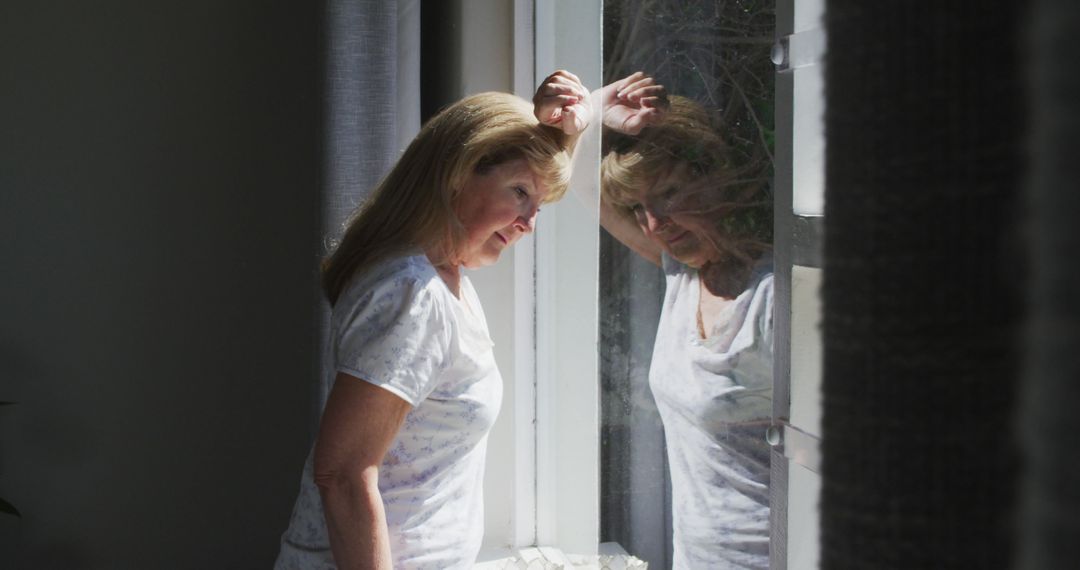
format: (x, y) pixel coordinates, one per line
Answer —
(625, 106)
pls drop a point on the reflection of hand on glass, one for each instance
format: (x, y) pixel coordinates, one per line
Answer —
(633, 103)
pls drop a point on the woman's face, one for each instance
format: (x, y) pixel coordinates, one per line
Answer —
(671, 212)
(497, 207)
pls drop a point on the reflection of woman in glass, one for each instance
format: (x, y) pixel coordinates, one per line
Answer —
(670, 193)
(395, 475)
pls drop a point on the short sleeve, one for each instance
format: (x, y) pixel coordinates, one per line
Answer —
(765, 313)
(395, 335)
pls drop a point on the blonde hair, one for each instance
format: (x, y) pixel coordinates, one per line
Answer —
(689, 138)
(413, 206)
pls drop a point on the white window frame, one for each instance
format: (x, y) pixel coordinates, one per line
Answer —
(799, 209)
(550, 364)
(567, 314)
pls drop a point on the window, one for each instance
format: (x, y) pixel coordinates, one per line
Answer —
(715, 56)
(578, 456)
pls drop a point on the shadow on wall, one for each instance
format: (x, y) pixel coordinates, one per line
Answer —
(160, 219)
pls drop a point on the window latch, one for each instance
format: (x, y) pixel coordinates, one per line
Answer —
(800, 49)
(797, 445)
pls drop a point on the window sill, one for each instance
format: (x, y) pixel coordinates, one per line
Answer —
(611, 557)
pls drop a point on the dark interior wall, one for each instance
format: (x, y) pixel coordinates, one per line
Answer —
(159, 191)
(440, 55)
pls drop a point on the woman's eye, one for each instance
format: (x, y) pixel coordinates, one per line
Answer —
(521, 192)
(671, 196)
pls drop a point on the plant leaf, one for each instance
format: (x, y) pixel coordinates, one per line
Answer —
(6, 507)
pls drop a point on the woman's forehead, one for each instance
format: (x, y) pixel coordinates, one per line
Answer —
(520, 171)
(537, 181)
(517, 168)
(675, 177)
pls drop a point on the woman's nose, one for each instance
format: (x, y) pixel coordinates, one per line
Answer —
(653, 220)
(526, 223)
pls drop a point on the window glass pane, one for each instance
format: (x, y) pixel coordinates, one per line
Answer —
(701, 194)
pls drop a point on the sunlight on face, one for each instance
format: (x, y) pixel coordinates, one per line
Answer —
(497, 206)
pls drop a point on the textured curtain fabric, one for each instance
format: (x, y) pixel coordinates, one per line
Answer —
(372, 107)
(362, 103)
(925, 127)
(1050, 526)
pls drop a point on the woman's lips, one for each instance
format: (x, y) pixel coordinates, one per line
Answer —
(504, 240)
(677, 238)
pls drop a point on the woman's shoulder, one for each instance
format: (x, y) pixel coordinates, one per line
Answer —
(762, 280)
(405, 275)
(412, 266)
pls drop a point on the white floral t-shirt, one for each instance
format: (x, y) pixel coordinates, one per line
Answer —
(714, 395)
(399, 327)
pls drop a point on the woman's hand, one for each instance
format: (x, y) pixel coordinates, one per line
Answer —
(633, 103)
(562, 102)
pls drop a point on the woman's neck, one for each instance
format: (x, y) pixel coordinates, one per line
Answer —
(727, 276)
(729, 271)
(449, 273)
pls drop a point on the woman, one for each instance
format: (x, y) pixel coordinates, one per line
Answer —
(670, 193)
(394, 478)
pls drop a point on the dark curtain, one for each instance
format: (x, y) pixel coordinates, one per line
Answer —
(925, 126)
(1050, 528)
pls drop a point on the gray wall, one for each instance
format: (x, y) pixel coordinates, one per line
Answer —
(159, 175)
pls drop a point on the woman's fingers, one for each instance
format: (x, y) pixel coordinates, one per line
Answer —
(552, 109)
(582, 116)
(565, 81)
(629, 79)
(646, 96)
(565, 76)
(550, 88)
(565, 94)
(574, 119)
(560, 101)
(639, 89)
(548, 108)
(569, 122)
(634, 82)
(632, 123)
(653, 92)
(633, 103)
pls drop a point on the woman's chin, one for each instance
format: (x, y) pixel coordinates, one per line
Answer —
(480, 261)
(690, 257)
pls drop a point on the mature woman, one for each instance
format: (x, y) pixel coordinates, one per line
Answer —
(671, 194)
(394, 478)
